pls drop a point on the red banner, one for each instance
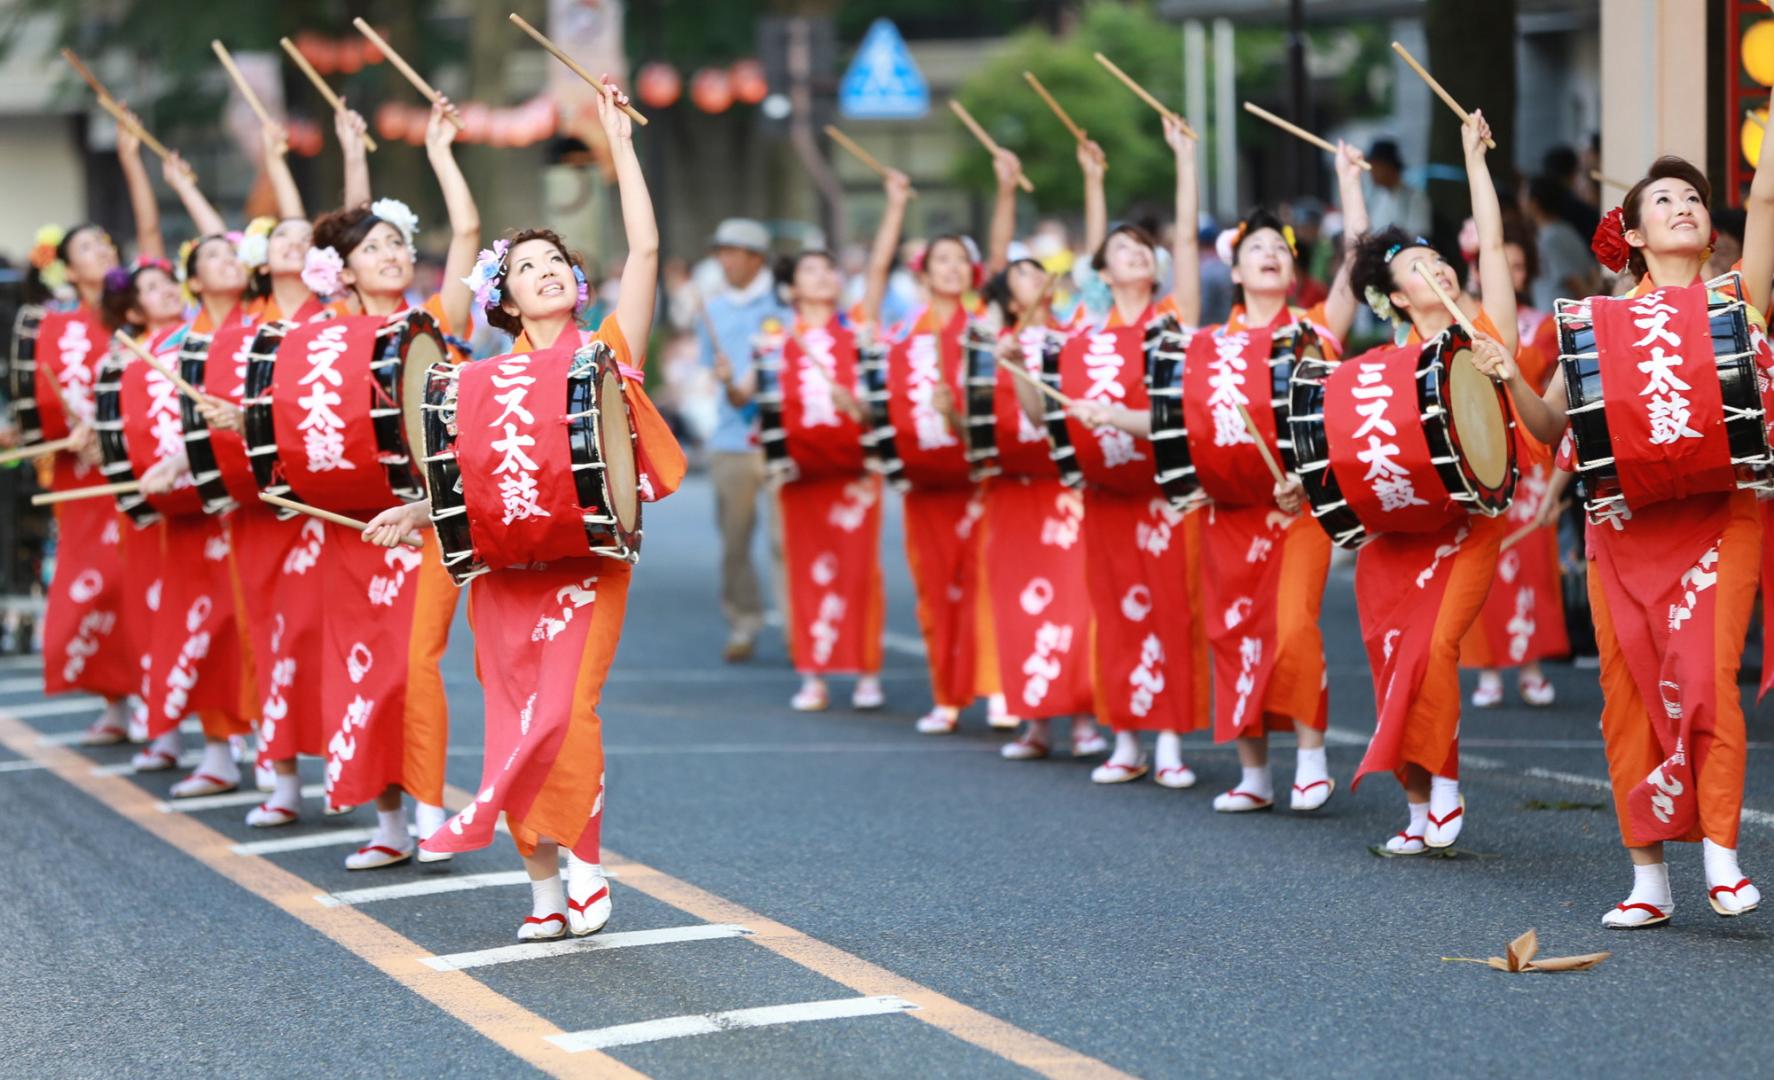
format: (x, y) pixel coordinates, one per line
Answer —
(153, 432)
(831, 532)
(1137, 573)
(544, 639)
(278, 563)
(513, 448)
(70, 346)
(1022, 444)
(822, 439)
(86, 629)
(321, 396)
(224, 377)
(1109, 366)
(1661, 395)
(1659, 573)
(1040, 604)
(1377, 448)
(196, 655)
(1222, 372)
(934, 452)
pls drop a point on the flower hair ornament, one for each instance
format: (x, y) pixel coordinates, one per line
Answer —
(254, 247)
(1379, 304)
(488, 272)
(1609, 242)
(399, 215)
(321, 270)
(49, 266)
(1226, 244)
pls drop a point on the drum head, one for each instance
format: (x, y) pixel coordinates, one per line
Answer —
(1480, 428)
(422, 352)
(618, 440)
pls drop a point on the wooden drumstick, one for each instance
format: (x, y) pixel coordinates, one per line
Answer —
(1528, 530)
(159, 365)
(1028, 315)
(1062, 400)
(986, 140)
(320, 86)
(410, 540)
(122, 487)
(864, 156)
(1299, 132)
(35, 450)
(1596, 175)
(1065, 118)
(117, 112)
(406, 69)
(574, 66)
(245, 88)
(1262, 446)
(1447, 98)
(1145, 96)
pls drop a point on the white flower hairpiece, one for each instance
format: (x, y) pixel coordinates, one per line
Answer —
(1225, 245)
(254, 247)
(1380, 304)
(321, 269)
(399, 215)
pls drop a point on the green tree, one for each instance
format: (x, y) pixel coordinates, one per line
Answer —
(1139, 162)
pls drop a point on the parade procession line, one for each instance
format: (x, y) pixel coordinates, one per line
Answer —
(495, 1017)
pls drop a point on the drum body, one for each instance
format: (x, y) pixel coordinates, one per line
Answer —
(21, 375)
(1461, 420)
(323, 409)
(1059, 438)
(1734, 360)
(979, 407)
(107, 398)
(219, 465)
(772, 432)
(506, 495)
(880, 444)
(1166, 349)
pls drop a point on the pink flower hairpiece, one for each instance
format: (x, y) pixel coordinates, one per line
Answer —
(321, 271)
(488, 271)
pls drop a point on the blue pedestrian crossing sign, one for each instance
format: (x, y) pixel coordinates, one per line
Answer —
(883, 82)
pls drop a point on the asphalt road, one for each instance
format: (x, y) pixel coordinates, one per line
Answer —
(966, 913)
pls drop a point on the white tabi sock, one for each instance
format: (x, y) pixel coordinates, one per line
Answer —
(286, 794)
(391, 828)
(583, 875)
(1419, 822)
(429, 818)
(1650, 885)
(1444, 796)
(1255, 781)
(1168, 753)
(218, 761)
(1127, 748)
(166, 744)
(1310, 766)
(1721, 864)
(547, 897)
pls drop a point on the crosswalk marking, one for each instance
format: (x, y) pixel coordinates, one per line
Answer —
(19, 766)
(190, 759)
(536, 950)
(677, 1027)
(233, 798)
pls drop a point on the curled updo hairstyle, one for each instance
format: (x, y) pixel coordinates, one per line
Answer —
(1369, 266)
(1255, 221)
(497, 316)
(343, 230)
(1668, 167)
(787, 265)
(1101, 259)
(997, 293)
(36, 289)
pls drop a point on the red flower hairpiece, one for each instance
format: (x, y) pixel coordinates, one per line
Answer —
(1609, 242)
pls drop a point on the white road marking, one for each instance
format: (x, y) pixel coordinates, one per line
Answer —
(677, 1027)
(20, 766)
(59, 706)
(233, 798)
(429, 887)
(22, 686)
(537, 950)
(72, 738)
(11, 662)
(190, 759)
(329, 838)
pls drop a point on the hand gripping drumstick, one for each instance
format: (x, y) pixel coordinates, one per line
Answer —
(573, 65)
(320, 86)
(1146, 96)
(35, 450)
(1060, 399)
(863, 156)
(245, 88)
(159, 365)
(122, 487)
(1453, 308)
(1447, 98)
(1071, 125)
(986, 140)
(1527, 530)
(1299, 132)
(1262, 446)
(410, 540)
(117, 112)
(406, 69)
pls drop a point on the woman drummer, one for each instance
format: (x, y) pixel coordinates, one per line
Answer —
(1417, 730)
(550, 788)
(1140, 554)
(942, 504)
(364, 255)
(1033, 522)
(1672, 583)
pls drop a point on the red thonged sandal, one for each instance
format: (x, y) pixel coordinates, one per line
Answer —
(546, 928)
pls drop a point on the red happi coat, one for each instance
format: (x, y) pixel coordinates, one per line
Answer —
(831, 510)
(1034, 533)
(1138, 567)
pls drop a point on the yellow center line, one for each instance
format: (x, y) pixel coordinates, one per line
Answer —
(495, 1017)
(998, 1037)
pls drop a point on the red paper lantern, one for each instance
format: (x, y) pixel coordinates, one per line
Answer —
(476, 121)
(304, 137)
(314, 49)
(350, 55)
(391, 121)
(418, 116)
(749, 84)
(711, 90)
(658, 85)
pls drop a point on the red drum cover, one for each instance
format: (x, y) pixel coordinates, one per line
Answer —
(322, 393)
